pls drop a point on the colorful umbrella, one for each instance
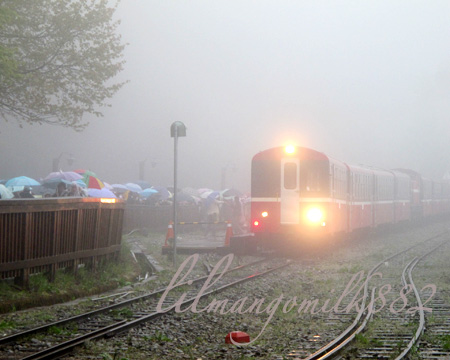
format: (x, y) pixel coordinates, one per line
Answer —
(148, 192)
(230, 193)
(133, 187)
(5, 194)
(202, 190)
(101, 193)
(165, 194)
(205, 194)
(191, 191)
(108, 186)
(143, 184)
(21, 181)
(81, 183)
(83, 171)
(93, 182)
(66, 175)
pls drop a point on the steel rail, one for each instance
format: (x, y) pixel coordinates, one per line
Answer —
(421, 327)
(14, 337)
(347, 335)
(112, 330)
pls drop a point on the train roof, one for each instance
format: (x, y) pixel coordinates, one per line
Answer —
(302, 153)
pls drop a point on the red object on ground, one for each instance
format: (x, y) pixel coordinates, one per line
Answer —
(169, 234)
(228, 235)
(237, 336)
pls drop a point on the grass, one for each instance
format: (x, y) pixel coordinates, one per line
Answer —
(68, 286)
(7, 325)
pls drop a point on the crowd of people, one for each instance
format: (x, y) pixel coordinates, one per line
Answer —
(62, 190)
(212, 208)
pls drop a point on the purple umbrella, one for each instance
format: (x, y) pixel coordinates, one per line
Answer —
(101, 193)
(65, 175)
(165, 194)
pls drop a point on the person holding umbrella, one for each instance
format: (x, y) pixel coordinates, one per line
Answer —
(26, 193)
(61, 190)
(75, 190)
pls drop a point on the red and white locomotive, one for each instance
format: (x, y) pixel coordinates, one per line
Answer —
(303, 193)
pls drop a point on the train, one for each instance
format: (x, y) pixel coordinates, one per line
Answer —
(302, 194)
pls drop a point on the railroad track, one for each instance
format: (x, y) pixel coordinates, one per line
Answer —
(383, 321)
(63, 336)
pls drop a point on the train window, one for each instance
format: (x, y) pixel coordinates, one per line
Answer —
(290, 175)
(314, 178)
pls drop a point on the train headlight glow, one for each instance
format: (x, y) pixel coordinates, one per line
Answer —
(289, 149)
(264, 214)
(314, 215)
(255, 223)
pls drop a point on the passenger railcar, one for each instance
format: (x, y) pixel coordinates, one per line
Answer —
(302, 193)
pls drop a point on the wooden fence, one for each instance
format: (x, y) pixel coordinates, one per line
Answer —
(42, 235)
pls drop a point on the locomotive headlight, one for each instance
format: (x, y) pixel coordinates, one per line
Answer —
(290, 149)
(314, 215)
(264, 214)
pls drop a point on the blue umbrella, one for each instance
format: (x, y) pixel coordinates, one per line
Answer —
(81, 183)
(143, 184)
(133, 187)
(148, 192)
(21, 181)
(211, 197)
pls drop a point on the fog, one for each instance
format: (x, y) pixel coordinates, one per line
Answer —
(364, 82)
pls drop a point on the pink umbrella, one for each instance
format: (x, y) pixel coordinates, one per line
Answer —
(203, 190)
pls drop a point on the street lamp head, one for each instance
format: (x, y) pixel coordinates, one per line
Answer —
(177, 129)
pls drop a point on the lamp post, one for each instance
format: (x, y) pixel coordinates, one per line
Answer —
(142, 169)
(55, 161)
(176, 129)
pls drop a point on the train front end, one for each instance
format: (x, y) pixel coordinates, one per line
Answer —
(290, 197)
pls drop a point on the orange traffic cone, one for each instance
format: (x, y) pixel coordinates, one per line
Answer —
(228, 234)
(169, 234)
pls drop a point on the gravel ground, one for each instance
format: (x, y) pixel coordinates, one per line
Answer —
(191, 335)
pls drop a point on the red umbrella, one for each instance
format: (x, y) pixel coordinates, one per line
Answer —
(84, 172)
(91, 181)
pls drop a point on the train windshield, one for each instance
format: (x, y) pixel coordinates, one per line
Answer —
(266, 178)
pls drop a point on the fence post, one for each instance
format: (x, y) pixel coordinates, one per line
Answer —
(76, 245)
(24, 279)
(97, 235)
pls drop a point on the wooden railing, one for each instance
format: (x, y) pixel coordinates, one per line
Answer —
(42, 235)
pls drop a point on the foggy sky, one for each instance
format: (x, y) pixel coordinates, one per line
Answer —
(364, 82)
